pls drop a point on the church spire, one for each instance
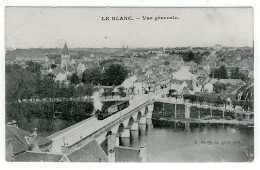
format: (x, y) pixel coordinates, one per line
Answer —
(65, 49)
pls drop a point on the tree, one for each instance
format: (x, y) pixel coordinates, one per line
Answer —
(220, 73)
(33, 67)
(89, 107)
(88, 90)
(235, 74)
(198, 58)
(166, 63)
(91, 76)
(74, 79)
(121, 92)
(235, 103)
(188, 56)
(218, 87)
(115, 74)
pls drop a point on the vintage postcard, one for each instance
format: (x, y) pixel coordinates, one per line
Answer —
(114, 84)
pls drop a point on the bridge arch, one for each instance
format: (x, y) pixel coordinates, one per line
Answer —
(121, 128)
(145, 111)
(139, 116)
(130, 122)
(108, 133)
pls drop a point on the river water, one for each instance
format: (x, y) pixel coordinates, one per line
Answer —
(195, 142)
(175, 141)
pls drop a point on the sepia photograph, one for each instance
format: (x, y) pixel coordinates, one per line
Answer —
(129, 84)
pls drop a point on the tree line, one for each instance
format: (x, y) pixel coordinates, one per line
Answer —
(44, 95)
(221, 73)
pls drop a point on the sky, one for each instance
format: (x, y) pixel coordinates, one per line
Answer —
(50, 27)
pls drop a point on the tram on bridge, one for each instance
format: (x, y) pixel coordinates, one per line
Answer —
(113, 109)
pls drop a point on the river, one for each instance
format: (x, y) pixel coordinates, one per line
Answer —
(174, 141)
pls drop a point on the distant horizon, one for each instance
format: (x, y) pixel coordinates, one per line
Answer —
(8, 48)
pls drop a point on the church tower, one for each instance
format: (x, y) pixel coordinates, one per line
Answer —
(65, 56)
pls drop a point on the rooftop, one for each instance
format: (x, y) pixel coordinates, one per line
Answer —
(127, 154)
(38, 157)
(19, 142)
(65, 49)
(91, 152)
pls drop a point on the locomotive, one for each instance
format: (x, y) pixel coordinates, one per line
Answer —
(113, 109)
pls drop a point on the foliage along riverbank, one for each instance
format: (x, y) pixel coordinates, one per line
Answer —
(66, 110)
(167, 110)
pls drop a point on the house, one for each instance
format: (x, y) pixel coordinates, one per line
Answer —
(90, 64)
(127, 154)
(184, 74)
(90, 152)
(179, 85)
(81, 68)
(140, 86)
(61, 77)
(59, 73)
(208, 87)
(129, 82)
(232, 82)
(19, 141)
(30, 156)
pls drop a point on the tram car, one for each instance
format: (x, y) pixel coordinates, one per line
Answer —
(113, 109)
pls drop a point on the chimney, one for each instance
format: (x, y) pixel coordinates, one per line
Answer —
(32, 140)
(143, 154)
(9, 150)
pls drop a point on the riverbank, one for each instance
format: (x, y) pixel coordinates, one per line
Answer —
(249, 122)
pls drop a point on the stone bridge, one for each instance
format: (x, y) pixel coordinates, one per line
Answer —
(139, 113)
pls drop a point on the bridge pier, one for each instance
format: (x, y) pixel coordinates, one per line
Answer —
(142, 128)
(187, 111)
(223, 114)
(210, 112)
(187, 126)
(117, 140)
(111, 142)
(150, 107)
(149, 114)
(142, 120)
(134, 127)
(126, 133)
(175, 110)
(149, 118)
(111, 156)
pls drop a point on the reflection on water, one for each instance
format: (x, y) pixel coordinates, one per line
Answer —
(194, 142)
